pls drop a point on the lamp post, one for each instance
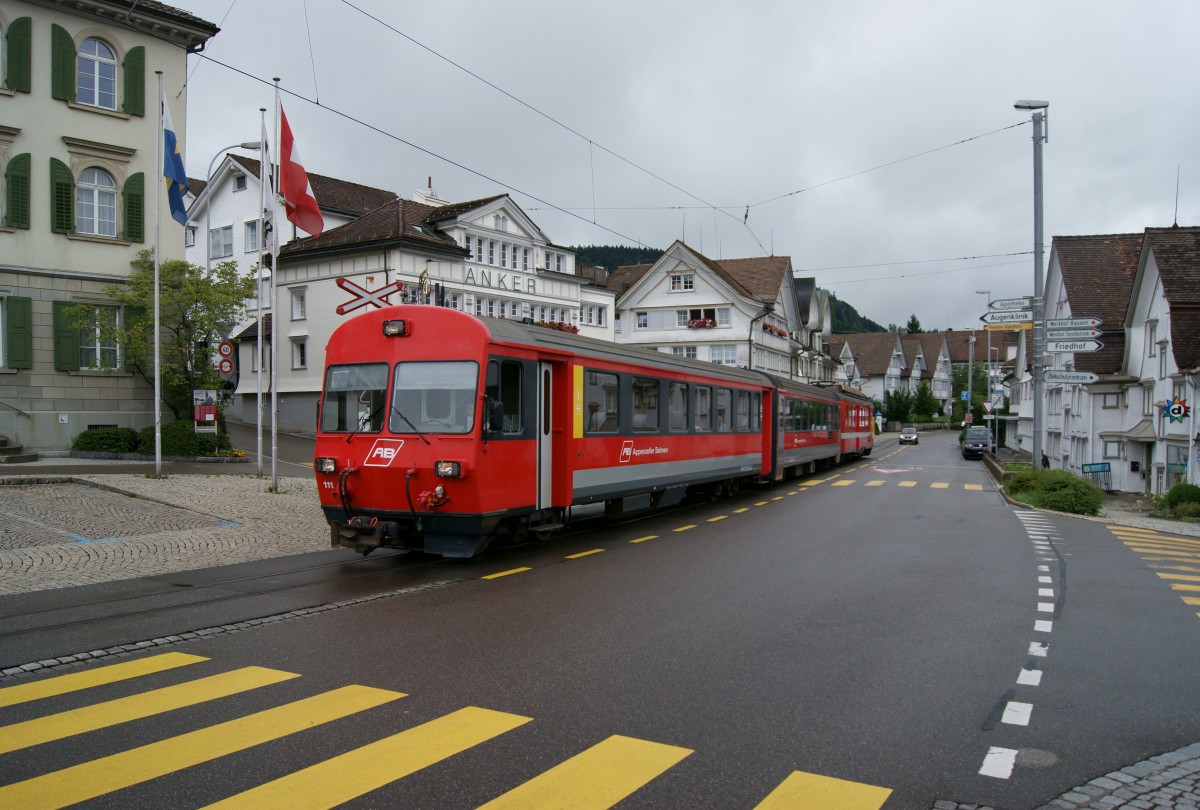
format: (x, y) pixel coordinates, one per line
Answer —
(252, 146)
(987, 294)
(993, 372)
(970, 375)
(1040, 136)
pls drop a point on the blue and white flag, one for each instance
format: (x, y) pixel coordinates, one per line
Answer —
(173, 171)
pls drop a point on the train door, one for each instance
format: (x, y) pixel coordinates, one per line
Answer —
(545, 413)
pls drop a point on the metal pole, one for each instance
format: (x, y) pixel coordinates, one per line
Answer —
(1039, 309)
(970, 374)
(157, 258)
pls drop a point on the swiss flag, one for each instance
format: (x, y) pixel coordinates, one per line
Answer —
(297, 194)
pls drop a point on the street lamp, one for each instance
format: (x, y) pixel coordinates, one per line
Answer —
(1040, 135)
(252, 146)
(987, 294)
(767, 310)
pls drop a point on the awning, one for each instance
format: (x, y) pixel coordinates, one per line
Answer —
(1143, 431)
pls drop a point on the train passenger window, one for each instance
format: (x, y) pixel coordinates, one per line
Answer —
(677, 405)
(724, 412)
(435, 397)
(504, 386)
(756, 411)
(355, 398)
(703, 408)
(742, 399)
(645, 403)
(600, 400)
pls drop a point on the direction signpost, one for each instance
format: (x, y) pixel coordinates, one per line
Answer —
(1069, 346)
(1052, 376)
(1011, 303)
(1011, 316)
(1072, 334)
(1073, 323)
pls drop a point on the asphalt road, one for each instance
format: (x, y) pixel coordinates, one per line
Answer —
(871, 625)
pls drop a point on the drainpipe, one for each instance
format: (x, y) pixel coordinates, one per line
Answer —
(767, 310)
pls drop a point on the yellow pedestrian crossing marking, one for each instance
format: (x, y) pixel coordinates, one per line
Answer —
(597, 778)
(973, 487)
(808, 791)
(876, 483)
(107, 774)
(338, 780)
(843, 483)
(1154, 547)
(135, 707)
(64, 684)
(939, 485)
(907, 483)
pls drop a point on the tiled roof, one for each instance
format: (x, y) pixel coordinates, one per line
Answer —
(1098, 274)
(196, 187)
(167, 11)
(338, 196)
(251, 331)
(444, 212)
(397, 220)
(758, 279)
(872, 351)
(959, 347)
(1177, 256)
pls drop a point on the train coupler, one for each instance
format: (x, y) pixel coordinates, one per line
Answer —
(360, 534)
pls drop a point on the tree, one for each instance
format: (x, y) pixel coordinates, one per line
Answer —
(925, 404)
(897, 405)
(979, 391)
(196, 310)
(914, 326)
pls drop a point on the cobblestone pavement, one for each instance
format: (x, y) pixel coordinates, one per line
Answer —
(81, 530)
(66, 530)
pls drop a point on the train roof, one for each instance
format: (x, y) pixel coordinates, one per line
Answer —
(542, 337)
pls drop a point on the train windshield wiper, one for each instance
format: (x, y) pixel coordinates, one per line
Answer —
(362, 423)
(400, 413)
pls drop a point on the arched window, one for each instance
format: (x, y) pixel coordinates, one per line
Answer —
(96, 203)
(96, 74)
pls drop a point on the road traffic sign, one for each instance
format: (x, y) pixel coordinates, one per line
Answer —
(1052, 376)
(1014, 316)
(1072, 334)
(1011, 303)
(1073, 345)
(1072, 323)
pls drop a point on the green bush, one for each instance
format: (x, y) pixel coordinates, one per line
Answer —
(179, 438)
(107, 440)
(1056, 489)
(1182, 493)
(1187, 510)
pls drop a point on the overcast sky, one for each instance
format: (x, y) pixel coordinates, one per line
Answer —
(654, 121)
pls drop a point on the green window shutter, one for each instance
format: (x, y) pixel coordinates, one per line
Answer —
(62, 197)
(62, 64)
(19, 41)
(66, 339)
(135, 81)
(16, 192)
(18, 332)
(135, 208)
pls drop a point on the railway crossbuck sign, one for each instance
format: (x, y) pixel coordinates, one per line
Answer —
(363, 296)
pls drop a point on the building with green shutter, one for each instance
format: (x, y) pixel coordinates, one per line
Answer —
(79, 141)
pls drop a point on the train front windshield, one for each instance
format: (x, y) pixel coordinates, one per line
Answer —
(432, 397)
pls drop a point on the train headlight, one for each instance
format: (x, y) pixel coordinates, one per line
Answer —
(325, 465)
(448, 469)
(395, 328)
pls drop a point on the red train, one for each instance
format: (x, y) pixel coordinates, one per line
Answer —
(440, 431)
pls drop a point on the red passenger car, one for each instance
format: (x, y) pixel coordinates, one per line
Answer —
(441, 431)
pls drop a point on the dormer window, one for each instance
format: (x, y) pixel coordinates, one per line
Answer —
(239, 182)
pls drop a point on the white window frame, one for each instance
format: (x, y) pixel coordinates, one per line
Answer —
(101, 69)
(250, 236)
(99, 354)
(642, 320)
(96, 197)
(225, 243)
(299, 353)
(299, 297)
(682, 282)
(722, 354)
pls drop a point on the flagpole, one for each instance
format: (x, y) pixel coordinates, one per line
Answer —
(264, 175)
(157, 252)
(275, 325)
